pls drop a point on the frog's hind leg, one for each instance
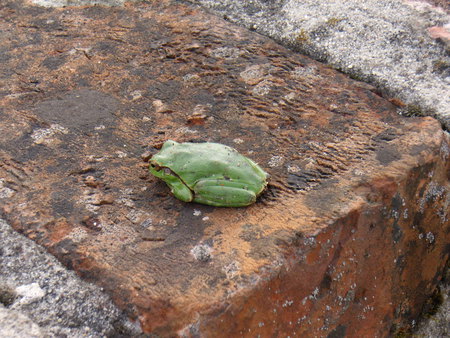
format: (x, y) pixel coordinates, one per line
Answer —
(223, 193)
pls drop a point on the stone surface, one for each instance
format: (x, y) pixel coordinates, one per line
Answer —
(67, 3)
(385, 43)
(15, 324)
(350, 237)
(40, 298)
(437, 324)
(444, 4)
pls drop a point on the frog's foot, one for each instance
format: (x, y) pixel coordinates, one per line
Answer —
(223, 193)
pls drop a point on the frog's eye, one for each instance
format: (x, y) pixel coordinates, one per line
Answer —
(167, 171)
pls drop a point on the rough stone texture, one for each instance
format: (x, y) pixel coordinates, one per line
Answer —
(15, 324)
(439, 323)
(444, 4)
(40, 298)
(383, 42)
(67, 3)
(350, 237)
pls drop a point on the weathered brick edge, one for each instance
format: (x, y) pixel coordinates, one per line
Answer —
(379, 263)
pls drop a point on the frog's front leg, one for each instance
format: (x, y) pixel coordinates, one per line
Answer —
(179, 189)
(223, 193)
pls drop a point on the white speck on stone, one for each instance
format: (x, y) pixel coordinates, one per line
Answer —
(262, 88)
(100, 127)
(147, 223)
(252, 74)
(290, 96)
(405, 213)
(238, 140)
(121, 154)
(293, 169)
(146, 119)
(125, 197)
(206, 218)
(29, 293)
(445, 148)
(261, 324)
(309, 241)
(302, 72)
(430, 237)
(5, 192)
(135, 95)
(288, 303)
(228, 53)
(189, 77)
(197, 212)
(46, 135)
(138, 216)
(202, 252)
(185, 130)
(314, 294)
(433, 193)
(231, 269)
(78, 234)
(275, 161)
(358, 172)
(158, 105)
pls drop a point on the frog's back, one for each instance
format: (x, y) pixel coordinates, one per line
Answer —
(194, 161)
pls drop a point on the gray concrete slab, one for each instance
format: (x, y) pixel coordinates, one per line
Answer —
(385, 43)
(41, 298)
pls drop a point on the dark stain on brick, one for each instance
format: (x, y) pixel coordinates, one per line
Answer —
(397, 203)
(325, 284)
(251, 232)
(388, 154)
(53, 62)
(4, 56)
(400, 263)
(84, 108)
(324, 198)
(338, 332)
(417, 149)
(7, 295)
(66, 252)
(397, 232)
(61, 203)
(386, 135)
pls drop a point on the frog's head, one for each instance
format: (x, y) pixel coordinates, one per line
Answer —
(158, 165)
(158, 170)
